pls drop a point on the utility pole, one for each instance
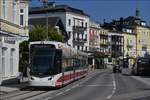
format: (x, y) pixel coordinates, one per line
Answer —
(45, 5)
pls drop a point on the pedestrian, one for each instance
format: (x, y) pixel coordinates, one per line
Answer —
(20, 77)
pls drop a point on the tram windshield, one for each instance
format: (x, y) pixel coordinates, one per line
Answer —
(42, 60)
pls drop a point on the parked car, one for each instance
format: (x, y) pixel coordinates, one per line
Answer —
(141, 66)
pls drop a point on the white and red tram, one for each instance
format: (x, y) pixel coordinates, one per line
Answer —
(55, 64)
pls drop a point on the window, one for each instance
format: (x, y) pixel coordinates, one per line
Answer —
(86, 24)
(86, 48)
(78, 47)
(21, 11)
(14, 11)
(85, 36)
(69, 22)
(69, 33)
(4, 9)
(82, 24)
(21, 17)
(21, 20)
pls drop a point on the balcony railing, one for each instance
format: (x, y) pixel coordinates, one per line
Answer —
(79, 28)
(79, 40)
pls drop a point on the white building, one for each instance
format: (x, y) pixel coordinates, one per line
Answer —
(13, 30)
(76, 23)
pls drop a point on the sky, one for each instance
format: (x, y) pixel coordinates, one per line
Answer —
(106, 9)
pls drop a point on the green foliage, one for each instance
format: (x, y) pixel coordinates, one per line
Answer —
(53, 35)
(38, 33)
(23, 57)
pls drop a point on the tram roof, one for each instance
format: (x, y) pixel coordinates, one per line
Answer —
(57, 44)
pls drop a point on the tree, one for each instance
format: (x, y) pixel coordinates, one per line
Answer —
(38, 33)
(23, 57)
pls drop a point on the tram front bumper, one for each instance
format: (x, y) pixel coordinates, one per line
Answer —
(41, 82)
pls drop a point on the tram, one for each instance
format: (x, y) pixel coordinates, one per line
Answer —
(55, 64)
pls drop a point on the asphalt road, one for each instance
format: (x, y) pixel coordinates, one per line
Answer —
(107, 85)
(99, 84)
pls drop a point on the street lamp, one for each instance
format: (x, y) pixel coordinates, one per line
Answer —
(45, 5)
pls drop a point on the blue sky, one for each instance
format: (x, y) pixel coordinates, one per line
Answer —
(107, 9)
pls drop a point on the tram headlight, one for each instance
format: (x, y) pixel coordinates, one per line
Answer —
(50, 78)
(32, 78)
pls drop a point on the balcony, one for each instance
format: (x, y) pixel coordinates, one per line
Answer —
(129, 45)
(79, 40)
(78, 28)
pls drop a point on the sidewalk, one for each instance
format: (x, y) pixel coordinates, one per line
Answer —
(14, 87)
(144, 79)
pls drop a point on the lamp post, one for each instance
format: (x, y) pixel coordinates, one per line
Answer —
(45, 5)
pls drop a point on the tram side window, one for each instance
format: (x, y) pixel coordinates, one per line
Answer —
(67, 64)
(76, 63)
(58, 61)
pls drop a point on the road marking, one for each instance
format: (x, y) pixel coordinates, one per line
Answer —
(67, 90)
(48, 98)
(96, 85)
(59, 93)
(75, 86)
(114, 88)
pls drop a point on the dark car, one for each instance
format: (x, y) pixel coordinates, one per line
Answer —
(116, 68)
(141, 66)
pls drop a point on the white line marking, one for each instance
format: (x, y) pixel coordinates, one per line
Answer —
(59, 93)
(48, 98)
(108, 97)
(96, 85)
(114, 88)
(75, 86)
(67, 90)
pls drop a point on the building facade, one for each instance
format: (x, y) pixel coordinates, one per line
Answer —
(104, 42)
(13, 30)
(139, 28)
(94, 37)
(76, 23)
(129, 43)
(116, 45)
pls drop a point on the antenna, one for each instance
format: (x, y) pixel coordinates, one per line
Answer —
(137, 11)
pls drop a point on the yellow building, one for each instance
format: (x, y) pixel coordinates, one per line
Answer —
(14, 16)
(142, 40)
(129, 45)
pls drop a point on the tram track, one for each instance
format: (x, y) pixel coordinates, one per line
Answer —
(2, 93)
(27, 95)
(16, 93)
